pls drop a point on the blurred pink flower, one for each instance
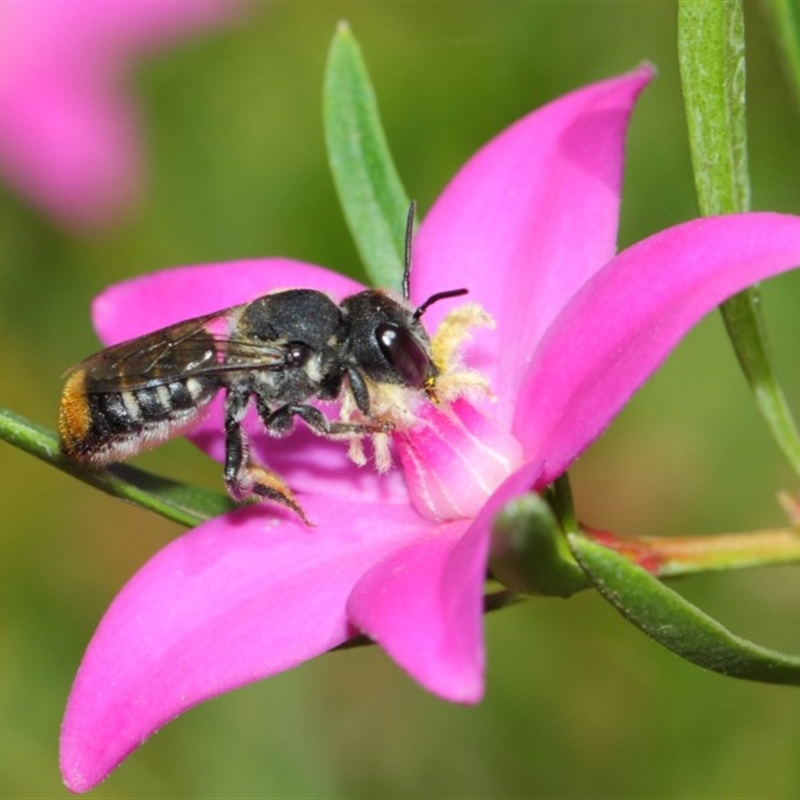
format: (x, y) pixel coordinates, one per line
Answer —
(68, 130)
(529, 225)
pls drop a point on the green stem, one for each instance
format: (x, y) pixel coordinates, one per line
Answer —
(559, 496)
(677, 556)
(186, 505)
(711, 52)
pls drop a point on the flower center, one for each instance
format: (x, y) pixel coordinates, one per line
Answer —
(454, 457)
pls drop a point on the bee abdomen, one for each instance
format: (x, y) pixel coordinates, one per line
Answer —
(101, 427)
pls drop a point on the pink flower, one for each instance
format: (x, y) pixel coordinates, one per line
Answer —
(68, 133)
(529, 225)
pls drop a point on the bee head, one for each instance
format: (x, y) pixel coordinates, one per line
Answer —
(388, 342)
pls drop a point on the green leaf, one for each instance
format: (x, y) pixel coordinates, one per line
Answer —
(712, 66)
(187, 505)
(374, 201)
(711, 52)
(677, 624)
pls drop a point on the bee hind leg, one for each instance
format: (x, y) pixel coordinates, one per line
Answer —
(244, 479)
(254, 481)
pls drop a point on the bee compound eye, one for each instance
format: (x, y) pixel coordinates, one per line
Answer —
(405, 354)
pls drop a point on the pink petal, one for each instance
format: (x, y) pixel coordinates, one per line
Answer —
(454, 460)
(240, 598)
(122, 27)
(423, 603)
(68, 133)
(399, 603)
(528, 221)
(625, 322)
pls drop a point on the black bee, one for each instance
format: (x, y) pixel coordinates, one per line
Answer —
(280, 350)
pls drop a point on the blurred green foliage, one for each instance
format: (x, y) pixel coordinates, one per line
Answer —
(578, 703)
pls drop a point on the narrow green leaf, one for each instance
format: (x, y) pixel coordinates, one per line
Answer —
(786, 19)
(374, 201)
(711, 51)
(187, 505)
(677, 624)
(712, 66)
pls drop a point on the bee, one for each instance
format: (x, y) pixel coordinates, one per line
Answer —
(279, 352)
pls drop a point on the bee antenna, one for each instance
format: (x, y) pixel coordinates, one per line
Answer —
(435, 298)
(412, 212)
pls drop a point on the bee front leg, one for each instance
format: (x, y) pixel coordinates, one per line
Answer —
(243, 478)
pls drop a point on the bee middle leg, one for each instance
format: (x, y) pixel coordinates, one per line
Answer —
(243, 478)
(280, 421)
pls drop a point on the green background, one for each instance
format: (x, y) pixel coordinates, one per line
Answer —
(578, 704)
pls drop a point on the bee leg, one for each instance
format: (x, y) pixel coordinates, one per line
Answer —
(280, 421)
(359, 390)
(243, 478)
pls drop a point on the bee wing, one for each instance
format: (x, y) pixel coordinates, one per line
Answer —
(176, 352)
